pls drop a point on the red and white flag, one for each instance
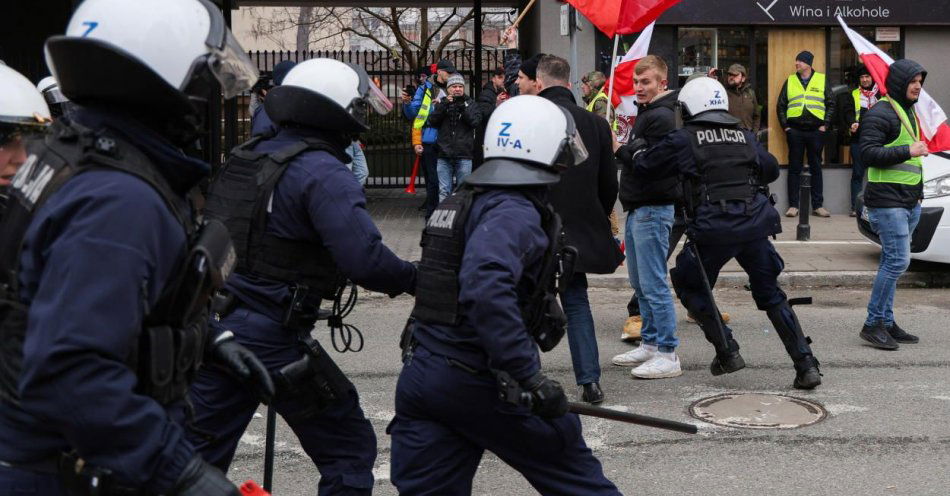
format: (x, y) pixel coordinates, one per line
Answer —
(931, 118)
(624, 97)
(621, 16)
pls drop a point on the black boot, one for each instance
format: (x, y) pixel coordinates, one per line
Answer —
(807, 375)
(878, 336)
(901, 336)
(591, 393)
(727, 360)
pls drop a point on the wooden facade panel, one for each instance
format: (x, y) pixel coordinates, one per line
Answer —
(784, 45)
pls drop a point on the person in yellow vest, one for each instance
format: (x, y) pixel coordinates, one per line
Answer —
(892, 150)
(424, 136)
(594, 96)
(805, 110)
(864, 97)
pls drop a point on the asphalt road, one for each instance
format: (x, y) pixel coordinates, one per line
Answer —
(887, 432)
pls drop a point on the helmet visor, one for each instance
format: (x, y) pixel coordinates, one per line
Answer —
(377, 100)
(232, 67)
(577, 148)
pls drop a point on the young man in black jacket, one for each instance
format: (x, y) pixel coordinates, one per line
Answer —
(650, 217)
(456, 117)
(584, 198)
(892, 150)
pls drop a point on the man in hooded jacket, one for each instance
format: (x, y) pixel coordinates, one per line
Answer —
(892, 151)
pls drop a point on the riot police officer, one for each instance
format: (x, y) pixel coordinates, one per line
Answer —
(104, 273)
(23, 113)
(485, 302)
(301, 229)
(726, 172)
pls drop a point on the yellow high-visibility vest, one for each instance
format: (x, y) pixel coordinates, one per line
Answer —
(421, 117)
(593, 101)
(910, 172)
(811, 98)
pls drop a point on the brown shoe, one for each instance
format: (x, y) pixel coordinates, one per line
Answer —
(821, 212)
(791, 212)
(631, 329)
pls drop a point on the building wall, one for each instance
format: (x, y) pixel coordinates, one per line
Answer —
(928, 46)
(547, 24)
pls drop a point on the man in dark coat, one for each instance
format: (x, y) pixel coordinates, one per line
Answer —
(584, 199)
(892, 151)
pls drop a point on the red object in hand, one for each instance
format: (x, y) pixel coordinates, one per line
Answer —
(250, 488)
(411, 189)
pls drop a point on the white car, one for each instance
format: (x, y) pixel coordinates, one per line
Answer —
(931, 240)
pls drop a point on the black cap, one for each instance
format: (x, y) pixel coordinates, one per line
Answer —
(861, 70)
(806, 57)
(530, 67)
(281, 70)
(446, 65)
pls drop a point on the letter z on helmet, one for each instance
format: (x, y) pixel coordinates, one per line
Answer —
(326, 94)
(705, 100)
(154, 56)
(528, 141)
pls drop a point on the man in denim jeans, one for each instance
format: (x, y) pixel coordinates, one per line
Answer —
(891, 149)
(650, 207)
(456, 117)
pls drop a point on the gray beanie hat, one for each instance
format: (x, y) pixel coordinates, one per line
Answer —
(455, 79)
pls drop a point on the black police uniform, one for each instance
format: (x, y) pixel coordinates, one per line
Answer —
(730, 216)
(485, 288)
(105, 279)
(300, 225)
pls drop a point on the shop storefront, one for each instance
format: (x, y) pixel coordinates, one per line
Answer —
(765, 35)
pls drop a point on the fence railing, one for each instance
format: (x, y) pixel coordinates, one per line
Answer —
(388, 144)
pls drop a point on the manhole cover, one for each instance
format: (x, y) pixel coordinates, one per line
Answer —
(758, 411)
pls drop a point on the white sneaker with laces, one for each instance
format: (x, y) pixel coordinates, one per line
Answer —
(661, 366)
(636, 356)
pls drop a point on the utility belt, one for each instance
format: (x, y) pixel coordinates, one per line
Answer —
(315, 379)
(408, 344)
(79, 478)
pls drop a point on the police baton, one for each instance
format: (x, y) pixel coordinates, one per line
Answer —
(630, 418)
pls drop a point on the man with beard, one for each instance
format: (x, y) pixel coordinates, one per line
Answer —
(865, 96)
(743, 104)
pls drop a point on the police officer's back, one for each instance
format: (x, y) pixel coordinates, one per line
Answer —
(485, 302)
(301, 229)
(105, 272)
(726, 173)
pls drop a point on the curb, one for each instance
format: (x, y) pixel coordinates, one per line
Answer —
(803, 279)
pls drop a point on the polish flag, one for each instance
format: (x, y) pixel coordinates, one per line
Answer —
(615, 17)
(624, 97)
(930, 117)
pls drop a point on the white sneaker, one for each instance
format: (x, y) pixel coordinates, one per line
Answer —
(636, 356)
(661, 366)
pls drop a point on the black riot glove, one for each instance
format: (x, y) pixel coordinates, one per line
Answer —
(547, 396)
(239, 360)
(201, 479)
(626, 152)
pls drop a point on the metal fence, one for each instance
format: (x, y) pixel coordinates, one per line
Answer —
(388, 144)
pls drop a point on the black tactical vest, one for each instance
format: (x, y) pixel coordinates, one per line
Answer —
(727, 164)
(443, 246)
(170, 348)
(240, 197)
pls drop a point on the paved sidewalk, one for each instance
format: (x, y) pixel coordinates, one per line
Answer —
(837, 254)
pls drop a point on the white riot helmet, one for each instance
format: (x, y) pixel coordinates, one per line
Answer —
(704, 99)
(326, 94)
(149, 57)
(22, 108)
(57, 101)
(528, 141)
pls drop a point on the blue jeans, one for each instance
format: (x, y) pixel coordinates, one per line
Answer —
(857, 173)
(801, 143)
(894, 226)
(452, 168)
(358, 165)
(581, 337)
(648, 243)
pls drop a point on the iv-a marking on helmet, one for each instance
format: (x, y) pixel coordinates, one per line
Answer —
(91, 25)
(720, 135)
(504, 138)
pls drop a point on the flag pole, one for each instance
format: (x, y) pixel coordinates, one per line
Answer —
(610, 89)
